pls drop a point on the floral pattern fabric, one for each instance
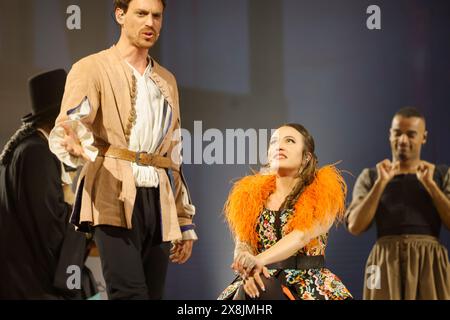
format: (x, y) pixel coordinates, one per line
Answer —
(309, 284)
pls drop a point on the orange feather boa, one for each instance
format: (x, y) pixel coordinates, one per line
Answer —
(322, 200)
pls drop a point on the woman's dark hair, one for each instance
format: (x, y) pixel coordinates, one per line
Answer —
(308, 172)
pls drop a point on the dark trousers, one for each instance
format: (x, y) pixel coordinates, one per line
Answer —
(135, 261)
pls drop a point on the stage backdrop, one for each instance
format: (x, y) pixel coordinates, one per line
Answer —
(255, 64)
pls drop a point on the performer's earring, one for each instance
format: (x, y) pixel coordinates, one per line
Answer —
(305, 162)
(307, 158)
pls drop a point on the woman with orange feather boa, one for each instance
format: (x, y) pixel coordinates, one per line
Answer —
(280, 221)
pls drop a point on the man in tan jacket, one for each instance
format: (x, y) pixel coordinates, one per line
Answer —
(120, 121)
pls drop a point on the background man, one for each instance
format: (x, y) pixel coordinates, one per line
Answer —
(37, 242)
(408, 199)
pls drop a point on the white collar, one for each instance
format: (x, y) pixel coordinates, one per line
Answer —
(147, 70)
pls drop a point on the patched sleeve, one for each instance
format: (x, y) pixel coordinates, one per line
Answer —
(79, 107)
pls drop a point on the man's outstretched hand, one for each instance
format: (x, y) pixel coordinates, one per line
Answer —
(72, 144)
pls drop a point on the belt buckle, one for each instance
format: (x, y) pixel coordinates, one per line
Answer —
(137, 159)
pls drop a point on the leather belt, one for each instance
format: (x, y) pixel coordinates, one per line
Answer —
(140, 158)
(300, 262)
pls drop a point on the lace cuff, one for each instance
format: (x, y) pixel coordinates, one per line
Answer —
(85, 136)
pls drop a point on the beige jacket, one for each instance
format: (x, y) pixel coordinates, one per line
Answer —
(106, 188)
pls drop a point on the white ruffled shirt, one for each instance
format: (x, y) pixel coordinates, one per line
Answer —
(152, 122)
(65, 176)
(153, 116)
(85, 137)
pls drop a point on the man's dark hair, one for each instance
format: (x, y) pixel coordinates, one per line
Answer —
(123, 4)
(410, 112)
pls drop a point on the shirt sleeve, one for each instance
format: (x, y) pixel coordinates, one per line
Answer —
(79, 107)
(361, 188)
(189, 235)
(446, 185)
(85, 136)
(185, 208)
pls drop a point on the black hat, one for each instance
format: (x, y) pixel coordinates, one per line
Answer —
(46, 93)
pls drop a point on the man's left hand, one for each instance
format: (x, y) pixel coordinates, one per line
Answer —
(425, 173)
(181, 251)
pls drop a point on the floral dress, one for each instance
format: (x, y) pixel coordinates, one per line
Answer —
(309, 284)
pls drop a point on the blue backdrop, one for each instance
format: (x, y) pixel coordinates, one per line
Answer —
(257, 64)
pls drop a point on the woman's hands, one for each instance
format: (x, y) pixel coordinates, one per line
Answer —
(244, 262)
(250, 268)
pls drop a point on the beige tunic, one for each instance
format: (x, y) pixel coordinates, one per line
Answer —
(109, 189)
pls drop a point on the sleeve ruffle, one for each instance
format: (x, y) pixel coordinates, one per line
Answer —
(84, 135)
